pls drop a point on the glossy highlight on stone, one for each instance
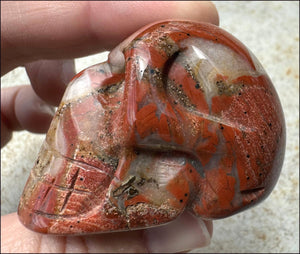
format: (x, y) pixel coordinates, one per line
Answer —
(191, 121)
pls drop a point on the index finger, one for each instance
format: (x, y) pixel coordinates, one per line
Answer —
(67, 29)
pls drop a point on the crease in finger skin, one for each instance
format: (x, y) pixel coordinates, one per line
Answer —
(76, 244)
(6, 134)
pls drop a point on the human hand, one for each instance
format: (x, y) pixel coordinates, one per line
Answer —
(33, 32)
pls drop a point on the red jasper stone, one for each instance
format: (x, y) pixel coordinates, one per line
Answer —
(191, 121)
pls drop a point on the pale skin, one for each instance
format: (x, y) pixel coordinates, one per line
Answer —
(45, 37)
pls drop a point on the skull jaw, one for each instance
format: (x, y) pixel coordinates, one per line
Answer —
(44, 208)
(105, 218)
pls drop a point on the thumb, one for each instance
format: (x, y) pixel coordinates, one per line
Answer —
(186, 233)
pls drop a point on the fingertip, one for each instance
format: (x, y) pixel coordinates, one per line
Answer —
(201, 11)
(49, 78)
(32, 113)
(68, 36)
(215, 18)
(185, 233)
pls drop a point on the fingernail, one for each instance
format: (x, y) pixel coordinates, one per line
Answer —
(186, 233)
(46, 109)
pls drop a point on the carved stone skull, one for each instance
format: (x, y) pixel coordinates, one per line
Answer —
(189, 121)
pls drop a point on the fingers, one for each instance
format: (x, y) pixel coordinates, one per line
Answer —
(51, 30)
(122, 242)
(31, 242)
(21, 108)
(6, 133)
(15, 238)
(184, 234)
(49, 78)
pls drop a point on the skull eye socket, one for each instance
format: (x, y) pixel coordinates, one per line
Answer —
(131, 192)
(126, 190)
